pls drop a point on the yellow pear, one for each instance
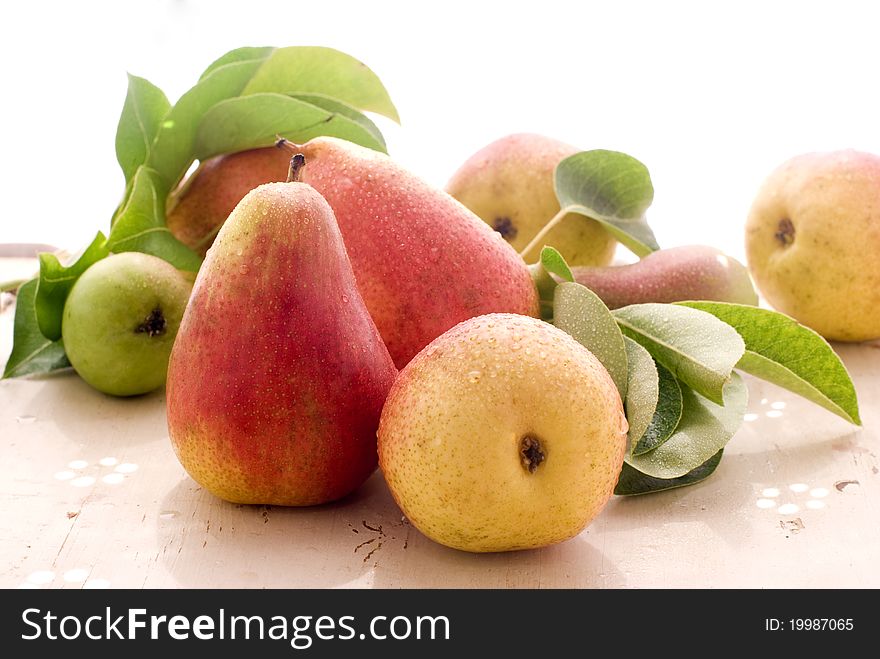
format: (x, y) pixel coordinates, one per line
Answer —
(813, 240)
(509, 184)
(504, 433)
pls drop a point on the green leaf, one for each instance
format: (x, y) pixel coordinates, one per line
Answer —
(612, 188)
(294, 70)
(140, 224)
(781, 351)
(699, 349)
(31, 351)
(554, 263)
(172, 151)
(244, 54)
(142, 113)
(551, 262)
(344, 110)
(580, 313)
(55, 282)
(667, 413)
(253, 121)
(319, 70)
(704, 429)
(632, 481)
(643, 390)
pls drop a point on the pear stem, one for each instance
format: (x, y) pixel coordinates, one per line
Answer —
(297, 161)
(296, 164)
(284, 143)
(556, 219)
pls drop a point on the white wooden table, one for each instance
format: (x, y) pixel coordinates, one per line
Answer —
(93, 496)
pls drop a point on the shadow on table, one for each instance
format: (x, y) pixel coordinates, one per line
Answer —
(575, 563)
(205, 542)
(769, 486)
(361, 541)
(87, 416)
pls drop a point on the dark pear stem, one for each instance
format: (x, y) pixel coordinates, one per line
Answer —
(296, 164)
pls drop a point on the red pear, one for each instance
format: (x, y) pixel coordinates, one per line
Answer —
(423, 261)
(675, 274)
(202, 203)
(278, 374)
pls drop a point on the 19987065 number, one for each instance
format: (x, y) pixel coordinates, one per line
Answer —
(819, 624)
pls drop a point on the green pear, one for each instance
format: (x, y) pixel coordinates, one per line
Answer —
(504, 433)
(813, 239)
(509, 184)
(689, 272)
(120, 320)
(278, 374)
(206, 198)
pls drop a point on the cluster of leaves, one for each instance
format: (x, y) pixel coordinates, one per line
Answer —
(675, 365)
(241, 101)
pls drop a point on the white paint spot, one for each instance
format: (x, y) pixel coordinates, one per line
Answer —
(818, 492)
(25, 419)
(813, 504)
(778, 405)
(94, 584)
(107, 462)
(766, 503)
(64, 475)
(774, 414)
(76, 575)
(749, 417)
(763, 401)
(113, 479)
(127, 468)
(770, 492)
(787, 509)
(78, 464)
(27, 585)
(798, 487)
(83, 481)
(41, 577)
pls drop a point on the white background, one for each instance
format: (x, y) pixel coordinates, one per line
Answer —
(710, 96)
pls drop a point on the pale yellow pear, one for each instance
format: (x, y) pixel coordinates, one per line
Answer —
(504, 433)
(813, 242)
(509, 184)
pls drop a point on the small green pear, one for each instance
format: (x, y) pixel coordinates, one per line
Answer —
(120, 320)
(504, 433)
(509, 184)
(675, 274)
(813, 239)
